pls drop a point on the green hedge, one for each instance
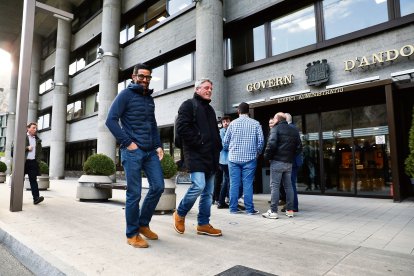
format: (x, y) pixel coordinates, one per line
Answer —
(169, 168)
(44, 168)
(99, 164)
(3, 167)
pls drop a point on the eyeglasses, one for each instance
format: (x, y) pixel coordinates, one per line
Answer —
(142, 77)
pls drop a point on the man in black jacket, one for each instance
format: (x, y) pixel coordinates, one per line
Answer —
(282, 147)
(33, 157)
(201, 146)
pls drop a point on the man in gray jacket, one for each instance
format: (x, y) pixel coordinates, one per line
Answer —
(282, 147)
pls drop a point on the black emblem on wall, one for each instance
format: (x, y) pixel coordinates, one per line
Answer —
(317, 73)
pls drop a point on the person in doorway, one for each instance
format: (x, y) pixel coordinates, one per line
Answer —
(244, 141)
(282, 147)
(33, 157)
(140, 148)
(224, 161)
(201, 146)
(297, 162)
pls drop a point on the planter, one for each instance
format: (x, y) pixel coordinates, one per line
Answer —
(42, 182)
(168, 198)
(86, 189)
(2, 177)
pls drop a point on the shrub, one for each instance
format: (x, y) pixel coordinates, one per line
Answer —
(169, 168)
(409, 161)
(44, 168)
(3, 167)
(99, 164)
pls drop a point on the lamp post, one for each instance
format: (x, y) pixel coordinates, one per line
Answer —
(29, 7)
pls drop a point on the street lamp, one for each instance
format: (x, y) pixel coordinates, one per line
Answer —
(23, 87)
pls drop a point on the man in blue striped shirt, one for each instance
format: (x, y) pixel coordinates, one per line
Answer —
(244, 141)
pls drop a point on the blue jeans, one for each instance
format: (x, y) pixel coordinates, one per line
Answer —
(202, 184)
(133, 162)
(225, 185)
(293, 179)
(242, 175)
(278, 171)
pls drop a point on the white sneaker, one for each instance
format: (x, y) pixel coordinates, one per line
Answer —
(270, 215)
(289, 213)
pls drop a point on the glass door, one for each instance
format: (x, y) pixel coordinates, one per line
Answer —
(338, 152)
(371, 139)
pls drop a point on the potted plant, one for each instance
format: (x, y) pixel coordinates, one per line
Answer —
(97, 169)
(168, 198)
(43, 181)
(3, 169)
(409, 161)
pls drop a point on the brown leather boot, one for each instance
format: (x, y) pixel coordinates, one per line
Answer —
(209, 230)
(146, 231)
(179, 223)
(137, 241)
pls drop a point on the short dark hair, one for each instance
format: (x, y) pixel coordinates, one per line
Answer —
(141, 66)
(243, 108)
(225, 117)
(30, 124)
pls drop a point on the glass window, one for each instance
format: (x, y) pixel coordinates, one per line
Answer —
(407, 7)
(179, 71)
(156, 13)
(259, 45)
(43, 121)
(44, 86)
(229, 58)
(90, 104)
(293, 31)
(346, 16)
(177, 5)
(157, 81)
(123, 36)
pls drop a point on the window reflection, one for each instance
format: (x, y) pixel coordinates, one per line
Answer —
(346, 16)
(293, 31)
(407, 7)
(157, 81)
(179, 71)
(259, 45)
(177, 5)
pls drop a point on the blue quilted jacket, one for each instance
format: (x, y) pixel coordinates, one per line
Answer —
(131, 118)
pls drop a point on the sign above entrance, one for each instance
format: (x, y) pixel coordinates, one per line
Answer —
(308, 95)
(317, 73)
(378, 58)
(270, 83)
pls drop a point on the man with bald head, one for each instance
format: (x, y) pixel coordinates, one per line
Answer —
(281, 149)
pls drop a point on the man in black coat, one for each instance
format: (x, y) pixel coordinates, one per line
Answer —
(282, 147)
(198, 131)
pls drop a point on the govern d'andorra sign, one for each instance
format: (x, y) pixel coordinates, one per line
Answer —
(270, 83)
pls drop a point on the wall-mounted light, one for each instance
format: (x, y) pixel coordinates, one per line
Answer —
(99, 53)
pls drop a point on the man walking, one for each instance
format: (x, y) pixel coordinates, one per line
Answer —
(244, 141)
(281, 149)
(140, 150)
(33, 158)
(198, 131)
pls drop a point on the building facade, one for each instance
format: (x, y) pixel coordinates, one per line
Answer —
(343, 69)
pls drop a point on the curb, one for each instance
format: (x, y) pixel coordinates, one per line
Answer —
(36, 260)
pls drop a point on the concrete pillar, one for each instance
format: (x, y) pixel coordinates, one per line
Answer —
(60, 94)
(108, 80)
(11, 120)
(209, 49)
(34, 79)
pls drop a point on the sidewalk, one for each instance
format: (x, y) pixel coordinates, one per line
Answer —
(329, 236)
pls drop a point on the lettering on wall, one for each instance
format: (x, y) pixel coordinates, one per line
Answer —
(379, 58)
(317, 73)
(309, 95)
(270, 83)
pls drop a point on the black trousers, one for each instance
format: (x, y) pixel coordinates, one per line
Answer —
(31, 168)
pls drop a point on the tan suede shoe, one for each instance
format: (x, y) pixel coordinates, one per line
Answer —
(146, 232)
(137, 241)
(179, 223)
(209, 230)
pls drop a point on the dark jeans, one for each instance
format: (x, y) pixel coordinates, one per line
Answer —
(294, 176)
(217, 184)
(225, 185)
(31, 168)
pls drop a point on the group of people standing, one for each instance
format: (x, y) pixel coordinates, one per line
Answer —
(235, 148)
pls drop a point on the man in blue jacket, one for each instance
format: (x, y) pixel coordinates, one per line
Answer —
(140, 150)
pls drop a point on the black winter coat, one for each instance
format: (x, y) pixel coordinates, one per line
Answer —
(283, 144)
(200, 139)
